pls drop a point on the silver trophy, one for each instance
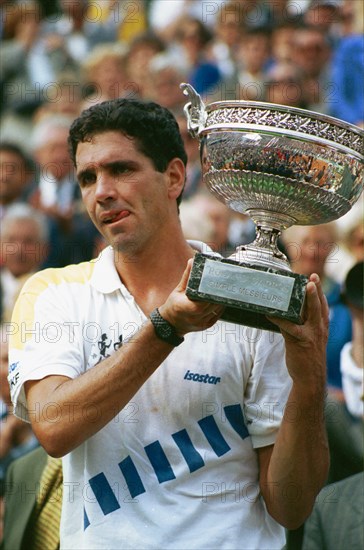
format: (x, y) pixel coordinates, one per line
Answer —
(282, 166)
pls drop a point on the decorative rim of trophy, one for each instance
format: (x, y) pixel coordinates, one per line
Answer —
(258, 115)
(289, 121)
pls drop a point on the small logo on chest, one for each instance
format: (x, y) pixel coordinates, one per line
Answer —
(204, 378)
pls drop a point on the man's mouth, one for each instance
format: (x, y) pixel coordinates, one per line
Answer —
(114, 217)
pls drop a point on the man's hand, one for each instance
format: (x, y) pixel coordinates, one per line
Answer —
(306, 344)
(186, 315)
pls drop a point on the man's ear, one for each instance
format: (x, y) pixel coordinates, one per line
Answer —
(176, 172)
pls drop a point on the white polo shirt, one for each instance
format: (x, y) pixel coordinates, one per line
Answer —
(176, 468)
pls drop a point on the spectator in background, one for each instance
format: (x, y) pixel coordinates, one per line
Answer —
(193, 38)
(142, 50)
(252, 62)
(324, 15)
(63, 42)
(337, 517)
(195, 226)
(352, 355)
(311, 54)
(350, 246)
(284, 85)
(21, 91)
(113, 21)
(56, 185)
(252, 54)
(351, 15)
(242, 229)
(166, 72)
(37, 512)
(228, 29)
(282, 38)
(63, 98)
(16, 174)
(354, 239)
(311, 248)
(344, 419)
(21, 24)
(281, 12)
(24, 248)
(105, 74)
(164, 16)
(218, 216)
(57, 194)
(17, 437)
(347, 72)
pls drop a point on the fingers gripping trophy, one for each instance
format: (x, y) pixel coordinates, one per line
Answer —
(282, 166)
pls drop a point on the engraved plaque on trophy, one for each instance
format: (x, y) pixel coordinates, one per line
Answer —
(282, 166)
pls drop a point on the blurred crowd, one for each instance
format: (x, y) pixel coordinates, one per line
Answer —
(59, 57)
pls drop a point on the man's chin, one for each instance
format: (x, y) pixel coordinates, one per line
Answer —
(124, 249)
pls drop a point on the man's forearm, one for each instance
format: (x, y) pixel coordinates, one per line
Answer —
(107, 387)
(299, 462)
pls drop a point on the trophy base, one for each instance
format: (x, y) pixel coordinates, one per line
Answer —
(248, 292)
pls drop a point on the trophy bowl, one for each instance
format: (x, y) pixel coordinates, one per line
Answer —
(282, 166)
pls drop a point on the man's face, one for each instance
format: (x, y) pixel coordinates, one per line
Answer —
(53, 156)
(21, 247)
(315, 244)
(13, 177)
(126, 198)
(310, 52)
(254, 52)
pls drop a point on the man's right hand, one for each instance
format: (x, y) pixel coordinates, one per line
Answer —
(186, 315)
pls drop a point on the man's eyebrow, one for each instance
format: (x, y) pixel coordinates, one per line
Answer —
(86, 172)
(123, 164)
(120, 164)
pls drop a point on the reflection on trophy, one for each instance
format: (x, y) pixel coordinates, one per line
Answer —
(282, 166)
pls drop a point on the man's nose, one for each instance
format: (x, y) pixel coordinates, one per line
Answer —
(105, 187)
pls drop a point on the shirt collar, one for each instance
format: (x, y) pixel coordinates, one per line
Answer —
(105, 277)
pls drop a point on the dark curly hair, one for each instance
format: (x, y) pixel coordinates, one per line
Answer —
(153, 127)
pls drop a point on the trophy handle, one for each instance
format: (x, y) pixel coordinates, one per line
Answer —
(194, 110)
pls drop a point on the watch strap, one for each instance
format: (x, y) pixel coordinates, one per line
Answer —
(164, 330)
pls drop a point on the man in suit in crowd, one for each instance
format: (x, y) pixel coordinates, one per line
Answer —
(33, 500)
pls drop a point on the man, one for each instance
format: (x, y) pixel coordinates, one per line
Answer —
(337, 517)
(24, 247)
(311, 53)
(344, 419)
(57, 194)
(17, 437)
(166, 443)
(16, 173)
(33, 500)
(311, 249)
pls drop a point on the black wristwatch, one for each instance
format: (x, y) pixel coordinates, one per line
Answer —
(164, 330)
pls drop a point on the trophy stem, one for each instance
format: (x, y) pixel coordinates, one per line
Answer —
(264, 250)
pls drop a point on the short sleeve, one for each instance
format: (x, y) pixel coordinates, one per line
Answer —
(267, 389)
(44, 339)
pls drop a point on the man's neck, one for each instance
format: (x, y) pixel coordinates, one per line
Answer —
(151, 275)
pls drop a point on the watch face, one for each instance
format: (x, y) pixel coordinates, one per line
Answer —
(165, 329)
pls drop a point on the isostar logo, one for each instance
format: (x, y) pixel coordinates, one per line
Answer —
(204, 378)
